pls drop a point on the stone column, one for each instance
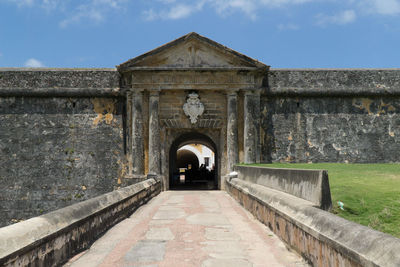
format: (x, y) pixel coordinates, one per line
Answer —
(137, 133)
(251, 127)
(154, 133)
(232, 131)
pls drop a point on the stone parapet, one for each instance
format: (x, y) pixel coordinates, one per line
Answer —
(59, 82)
(51, 239)
(334, 82)
(311, 185)
(322, 238)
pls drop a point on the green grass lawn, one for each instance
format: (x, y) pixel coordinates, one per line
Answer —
(370, 192)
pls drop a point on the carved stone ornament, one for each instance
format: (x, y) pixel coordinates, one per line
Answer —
(193, 107)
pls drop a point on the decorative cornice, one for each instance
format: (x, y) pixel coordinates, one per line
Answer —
(201, 123)
(186, 69)
(193, 80)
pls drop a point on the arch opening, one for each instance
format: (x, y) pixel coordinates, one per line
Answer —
(193, 163)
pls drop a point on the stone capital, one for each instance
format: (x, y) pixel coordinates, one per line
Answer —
(136, 91)
(252, 92)
(232, 92)
(154, 92)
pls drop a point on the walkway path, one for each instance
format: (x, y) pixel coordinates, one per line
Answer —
(189, 228)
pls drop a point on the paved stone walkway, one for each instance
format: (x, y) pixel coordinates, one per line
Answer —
(189, 228)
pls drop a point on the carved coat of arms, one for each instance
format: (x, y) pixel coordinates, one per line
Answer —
(193, 107)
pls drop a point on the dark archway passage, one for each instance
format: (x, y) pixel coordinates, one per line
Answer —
(185, 158)
(185, 172)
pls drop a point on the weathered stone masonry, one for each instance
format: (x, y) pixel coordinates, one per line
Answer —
(331, 116)
(67, 135)
(61, 139)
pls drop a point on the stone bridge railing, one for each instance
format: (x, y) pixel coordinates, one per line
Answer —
(51, 239)
(277, 198)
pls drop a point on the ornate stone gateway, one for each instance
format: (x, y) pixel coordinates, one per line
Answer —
(192, 90)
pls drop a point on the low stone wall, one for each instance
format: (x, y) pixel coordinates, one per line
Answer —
(322, 238)
(311, 185)
(51, 239)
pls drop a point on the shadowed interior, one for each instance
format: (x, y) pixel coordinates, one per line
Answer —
(185, 158)
(197, 177)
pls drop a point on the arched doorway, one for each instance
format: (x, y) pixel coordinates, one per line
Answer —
(185, 170)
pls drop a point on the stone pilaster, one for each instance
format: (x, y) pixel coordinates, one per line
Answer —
(128, 136)
(154, 133)
(251, 126)
(137, 133)
(232, 131)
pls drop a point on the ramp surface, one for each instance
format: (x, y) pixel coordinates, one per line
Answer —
(189, 228)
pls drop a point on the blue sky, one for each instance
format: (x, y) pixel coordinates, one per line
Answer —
(280, 33)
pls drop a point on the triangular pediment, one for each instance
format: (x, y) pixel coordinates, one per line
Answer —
(191, 51)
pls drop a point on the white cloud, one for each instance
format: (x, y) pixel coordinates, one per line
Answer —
(22, 3)
(93, 10)
(150, 15)
(52, 4)
(174, 12)
(167, 1)
(226, 7)
(382, 7)
(178, 9)
(96, 11)
(82, 12)
(33, 63)
(76, 11)
(45, 4)
(342, 18)
(279, 3)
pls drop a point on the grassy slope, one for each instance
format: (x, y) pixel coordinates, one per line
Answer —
(370, 192)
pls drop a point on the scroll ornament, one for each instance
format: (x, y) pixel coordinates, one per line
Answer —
(193, 108)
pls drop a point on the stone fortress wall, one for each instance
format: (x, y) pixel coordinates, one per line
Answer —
(61, 139)
(338, 115)
(63, 131)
